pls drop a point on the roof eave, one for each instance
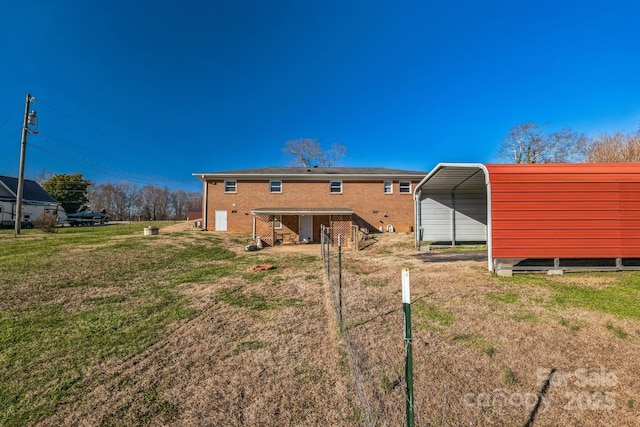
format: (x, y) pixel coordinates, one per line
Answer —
(209, 176)
(289, 211)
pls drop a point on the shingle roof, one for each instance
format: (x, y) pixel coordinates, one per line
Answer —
(284, 171)
(32, 191)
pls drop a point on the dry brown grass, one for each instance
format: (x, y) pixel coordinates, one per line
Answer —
(231, 365)
(482, 348)
(483, 345)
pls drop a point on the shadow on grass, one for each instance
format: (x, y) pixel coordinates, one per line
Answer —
(452, 256)
(541, 395)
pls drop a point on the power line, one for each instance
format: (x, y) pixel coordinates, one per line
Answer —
(83, 161)
(100, 131)
(85, 157)
(10, 117)
(15, 134)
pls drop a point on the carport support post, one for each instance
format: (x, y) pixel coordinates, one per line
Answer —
(408, 369)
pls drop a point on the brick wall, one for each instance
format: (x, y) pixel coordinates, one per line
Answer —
(373, 208)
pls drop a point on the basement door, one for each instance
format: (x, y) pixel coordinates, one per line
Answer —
(221, 221)
(306, 227)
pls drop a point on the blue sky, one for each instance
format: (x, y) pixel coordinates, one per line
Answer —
(151, 92)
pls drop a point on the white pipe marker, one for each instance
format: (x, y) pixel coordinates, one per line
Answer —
(406, 293)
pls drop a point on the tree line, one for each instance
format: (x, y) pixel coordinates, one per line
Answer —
(531, 143)
(525, 143)
(125, 201)
(528, 142)
(122, 201)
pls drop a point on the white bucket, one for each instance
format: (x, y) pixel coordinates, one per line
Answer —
(151, 231)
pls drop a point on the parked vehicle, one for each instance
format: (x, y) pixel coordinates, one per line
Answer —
(31, 212)
(85, 218)
(35, 202)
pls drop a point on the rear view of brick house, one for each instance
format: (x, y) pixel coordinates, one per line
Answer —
(291, 204)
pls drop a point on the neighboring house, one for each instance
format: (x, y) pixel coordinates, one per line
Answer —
(562, 215)
(35, 201)
(291, 204)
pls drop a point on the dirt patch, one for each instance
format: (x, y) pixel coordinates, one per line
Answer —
(181, 226)
(261, 267)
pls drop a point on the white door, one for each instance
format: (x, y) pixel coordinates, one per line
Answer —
(221, 220)
(306, 227)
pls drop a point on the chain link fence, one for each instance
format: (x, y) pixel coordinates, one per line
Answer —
(453, 384)
(378, 372)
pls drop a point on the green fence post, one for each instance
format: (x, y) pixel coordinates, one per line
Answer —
(408, 371)
(340, 282)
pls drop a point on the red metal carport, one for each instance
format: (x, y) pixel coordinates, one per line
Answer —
(534, 211)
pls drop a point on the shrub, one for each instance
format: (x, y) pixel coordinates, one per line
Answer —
(47, 222)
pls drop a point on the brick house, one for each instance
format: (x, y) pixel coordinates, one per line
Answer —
(291, 204)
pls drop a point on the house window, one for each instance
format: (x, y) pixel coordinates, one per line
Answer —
(275, 186)
(405, 187)
(230, 186)
(277, 221)
(388, 187)
(335, 187)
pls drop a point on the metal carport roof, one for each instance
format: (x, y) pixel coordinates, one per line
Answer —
(447, 178)
(540, 211)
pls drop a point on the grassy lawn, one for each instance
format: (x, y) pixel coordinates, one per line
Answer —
(88, 319)
(482, 343)
(105, 326)
(616, 294)
(71, 299)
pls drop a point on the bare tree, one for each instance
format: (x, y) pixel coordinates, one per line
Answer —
(194, 200)
(616, 147)
(117, 199)
(307, 152)
(179, 201)
(125, 201)
(528, 143)
(154, 202)
(43, 176)
(102, 198)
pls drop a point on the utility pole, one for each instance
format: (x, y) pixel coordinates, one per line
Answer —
(23, 151)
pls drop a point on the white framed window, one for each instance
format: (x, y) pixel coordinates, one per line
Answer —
(335, 187)
(388, 187)
(275, 186)
(405, 187)
(231, 186)
(277, 222)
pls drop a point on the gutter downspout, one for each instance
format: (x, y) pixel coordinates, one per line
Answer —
(205, 205)
(417, 195)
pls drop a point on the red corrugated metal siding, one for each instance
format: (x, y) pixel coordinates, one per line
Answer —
(565, 210)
